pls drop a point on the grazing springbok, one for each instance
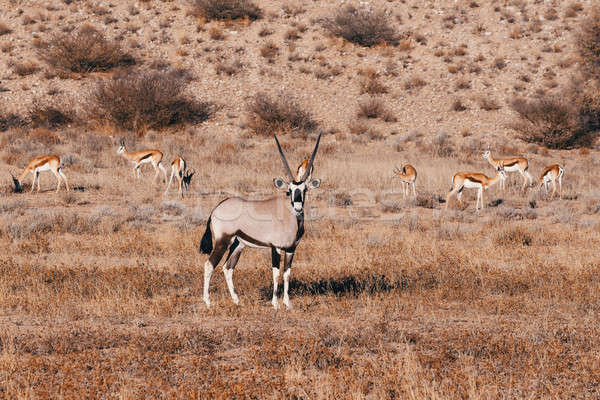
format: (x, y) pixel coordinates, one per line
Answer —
(184, 176)
(276, 224)
(474, 180)
(408, 176)
(511, 165)
(140, 157)
(37, 165)
(552, 174)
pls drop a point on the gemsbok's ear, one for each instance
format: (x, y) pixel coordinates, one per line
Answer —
(314, 183)
(280, 183)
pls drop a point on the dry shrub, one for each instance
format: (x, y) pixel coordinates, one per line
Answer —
(458, 105)
(229, 68)
(414, 83)
(488, 104)
(49, 115)
(86, 50)
(374, 108)
(226, 9)
(4, 29)
(25, 68)
(141, 100)
(268, 115)
(11, 120)
(441, 145)
(588, 42)
(363, 27)
(561, 122)
(269, 51)
(372, 85)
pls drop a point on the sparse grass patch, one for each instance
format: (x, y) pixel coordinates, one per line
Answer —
(25, 68)
(362, 26)
(587, 41)
(86, 50)
(270, 114)
(50, 115)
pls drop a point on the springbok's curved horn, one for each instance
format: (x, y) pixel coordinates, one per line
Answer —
(312, 159)
(285, 163)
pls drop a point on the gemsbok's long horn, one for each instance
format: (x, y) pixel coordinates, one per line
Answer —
(285, 163)
(312, 159)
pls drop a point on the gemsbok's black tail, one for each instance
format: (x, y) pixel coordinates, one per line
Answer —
(206, 245)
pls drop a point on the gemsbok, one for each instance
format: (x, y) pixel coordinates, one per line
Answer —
(137, 158)
(276, 223)
(552, 174)
(473, 180)
(511, 165)
(407, 176)
(184, 176)
(40, 164)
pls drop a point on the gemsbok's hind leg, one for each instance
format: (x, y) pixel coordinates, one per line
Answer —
(209, 266)
(276, 261)
(287, 270)
(235, 250)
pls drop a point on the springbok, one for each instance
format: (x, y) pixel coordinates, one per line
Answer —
(475, 180)
(141, 157)
(276, 224)
(184, 176)
(37, 165)
(511, 165)
(552, 174)
(408, 176)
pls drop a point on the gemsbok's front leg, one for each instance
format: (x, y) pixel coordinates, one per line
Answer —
(287, 270)
(235, 250)
(276, 261)
(209, 266)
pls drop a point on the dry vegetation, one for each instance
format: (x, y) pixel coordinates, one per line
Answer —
(101, 287)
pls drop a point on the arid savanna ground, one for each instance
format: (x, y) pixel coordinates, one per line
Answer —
(394, 297)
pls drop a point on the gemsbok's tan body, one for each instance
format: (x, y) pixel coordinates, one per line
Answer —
(40, 164)
(408, 177)
(180, 171)
(137, 158)
(512, 164)
(552, 173)
(276, 224)
(473, 180)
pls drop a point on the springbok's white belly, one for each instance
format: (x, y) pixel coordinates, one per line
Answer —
(472, 185)
(512, 168)
(45, 167)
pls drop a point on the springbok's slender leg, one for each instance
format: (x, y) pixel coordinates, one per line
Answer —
(170, 180)
(209, 266)
(553, 189)
(34, 173)
(287, 270)
(235, 250)
(64, 177)
(414, 189)
(58, 179)
(163, 171)
(38, 179)
(275, 260)
(156, 172)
